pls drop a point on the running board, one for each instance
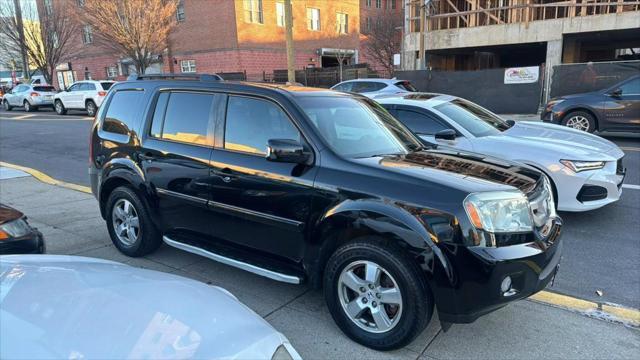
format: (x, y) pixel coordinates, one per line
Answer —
(233, 262)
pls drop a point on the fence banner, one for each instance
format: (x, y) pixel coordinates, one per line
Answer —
(521, 75)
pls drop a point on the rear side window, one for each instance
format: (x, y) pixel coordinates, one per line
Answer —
(344, 87)
(419, 123)
(368, 86)
(120, 116)
(44, 88)
(87, 87)
(186, 118)
(251, 123)
(106, 85)
(405, 85)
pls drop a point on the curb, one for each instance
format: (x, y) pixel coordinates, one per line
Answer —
(47, 179)
(603, 311)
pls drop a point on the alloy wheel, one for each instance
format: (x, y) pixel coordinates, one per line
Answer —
(126, 223)
(58, 107)
(6, 105)
(578, 122)
(370, 296)
(27, 106)
(91, 108)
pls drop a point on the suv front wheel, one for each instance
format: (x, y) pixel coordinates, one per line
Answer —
(129, 224)
(376, 294)
(60, 110)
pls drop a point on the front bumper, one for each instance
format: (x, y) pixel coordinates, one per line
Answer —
(551, 116)
(588, 190)
(481, 270)
(41, 101)
(32, 243)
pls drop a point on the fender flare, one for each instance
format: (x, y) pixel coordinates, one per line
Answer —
(119, 171)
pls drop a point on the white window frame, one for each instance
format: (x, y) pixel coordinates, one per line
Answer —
(280, 14)
(188, 66)
(87, 34)
(368, 3)
(378, 4)
(48, 7)
(313, 19)
(112, 72)
(180, 17)
(342, 23)
(253, 11)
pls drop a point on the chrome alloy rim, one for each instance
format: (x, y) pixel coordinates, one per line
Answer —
(58, 106)
(125, 220)
(91, 109)
(370, 296)
(578, 122)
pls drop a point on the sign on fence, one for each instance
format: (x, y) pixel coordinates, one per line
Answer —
(521, 75)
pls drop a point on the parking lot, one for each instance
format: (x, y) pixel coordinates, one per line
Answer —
(602, 253)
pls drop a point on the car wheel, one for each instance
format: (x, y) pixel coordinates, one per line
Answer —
(580, 120)
(27, 106)
(129, 224)
(376, 294)
(7, 107)
(60, 110)
(91, 108)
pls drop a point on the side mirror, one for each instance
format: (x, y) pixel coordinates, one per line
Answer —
(446, 134)
(616, 93)
(511, 122)
(286, 151)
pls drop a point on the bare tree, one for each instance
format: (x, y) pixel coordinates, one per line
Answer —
(137, 29)
(383, 41)
(47, 35)
(342, 53)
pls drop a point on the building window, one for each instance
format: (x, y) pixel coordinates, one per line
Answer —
(342, 23)
(48, 7)
(180, 11)
(393, 4)
(253, 11)
(87, 34)
(313, 19)
(368, 23)
(112, 72)
(280, 14)
(378, 4)
(368, 3)
(55, 41)
(80, 3)
(188, 66)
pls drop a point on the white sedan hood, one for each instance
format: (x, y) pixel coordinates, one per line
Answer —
(551, 139)
(82, 308)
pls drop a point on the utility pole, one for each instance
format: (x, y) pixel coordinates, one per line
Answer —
(23, 48)
(421, 42)
(288, 23)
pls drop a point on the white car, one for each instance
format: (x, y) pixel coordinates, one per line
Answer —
(69, 307)
(29, 97)
(585, 170)
(82, 95)
(374, 88)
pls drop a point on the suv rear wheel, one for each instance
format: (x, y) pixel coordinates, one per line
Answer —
(129, 224)
(28, 107)
(7, 107)
(60, 110)
(91, 108)
(376, 294)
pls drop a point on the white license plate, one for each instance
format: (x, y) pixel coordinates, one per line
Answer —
(48, 97)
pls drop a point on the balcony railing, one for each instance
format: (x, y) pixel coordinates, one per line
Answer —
(452, 14)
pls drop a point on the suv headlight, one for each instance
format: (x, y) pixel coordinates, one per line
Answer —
(15, 229)
(499, 211)
(578, 166)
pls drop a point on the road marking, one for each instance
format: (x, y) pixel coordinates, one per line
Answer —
(629, 186)
(603, 311)
(22, 117)
(47, 179)
(628, 148)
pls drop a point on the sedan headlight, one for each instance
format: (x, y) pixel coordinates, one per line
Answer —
(578, 166)
(553, 103)
(16, 228)
(499, 211)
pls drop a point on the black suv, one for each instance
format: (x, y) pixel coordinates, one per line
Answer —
(310, 185)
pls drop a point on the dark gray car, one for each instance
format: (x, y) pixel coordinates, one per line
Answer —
(616, 108)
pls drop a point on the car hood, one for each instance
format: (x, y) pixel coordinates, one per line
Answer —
(8, 214)
(565, 142)
(73, 307)
(574, 96)
(463, 170)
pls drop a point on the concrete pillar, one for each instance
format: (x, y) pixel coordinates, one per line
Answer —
(554, 57)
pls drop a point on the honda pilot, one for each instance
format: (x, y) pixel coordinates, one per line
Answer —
(306, 185)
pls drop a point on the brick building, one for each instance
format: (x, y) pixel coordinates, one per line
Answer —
(241, 36)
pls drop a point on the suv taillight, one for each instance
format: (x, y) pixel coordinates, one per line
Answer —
(35, 94)
(102, 93)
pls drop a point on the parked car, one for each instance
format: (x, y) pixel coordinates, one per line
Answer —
(616, 108)
(82, 95)
(29, 97)
(57, 306)
(586, 171)
(373, 88)
(16, 235)
(310, 185)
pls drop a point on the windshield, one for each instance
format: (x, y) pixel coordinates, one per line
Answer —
(356, 128)
(44, 88)
(476, 120)
(406, 86)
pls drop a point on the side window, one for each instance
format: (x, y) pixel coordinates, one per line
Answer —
(368, 86)
(631, 87)
(75, 87)
(88, 87)
(120, 116)
(344, 87)
(419, 123)
(186, 118)
(251, 123)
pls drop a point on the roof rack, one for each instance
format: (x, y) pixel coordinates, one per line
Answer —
(200, 77)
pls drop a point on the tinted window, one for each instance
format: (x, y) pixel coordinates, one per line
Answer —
(344, 87)
(123, 107)
(106, 85)
(251, 123)
(405, 85)
(44, 88)
(187, 118)
(631, 87)
(368, 86)
(158, 115)
(419, 123)
(88, 87)
(476, 120)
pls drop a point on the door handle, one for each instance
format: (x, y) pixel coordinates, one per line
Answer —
(226, 179)
(225, 174)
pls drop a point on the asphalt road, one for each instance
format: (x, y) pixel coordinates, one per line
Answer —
(602, 247)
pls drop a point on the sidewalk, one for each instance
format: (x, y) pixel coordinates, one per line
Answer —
(71, 223)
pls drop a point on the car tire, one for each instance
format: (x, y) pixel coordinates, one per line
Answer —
(135, 237)
(6, 105)
(28, 107)
(91, 108)
(59, 107)
(400, 324)
(580, 120)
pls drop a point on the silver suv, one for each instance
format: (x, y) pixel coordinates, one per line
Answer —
(29, 97)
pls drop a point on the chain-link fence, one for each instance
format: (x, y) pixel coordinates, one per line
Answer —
(586, 77)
